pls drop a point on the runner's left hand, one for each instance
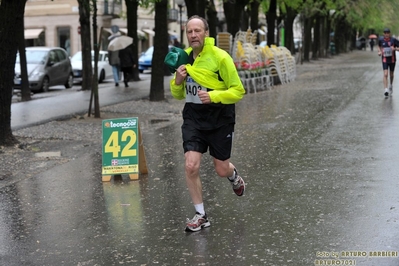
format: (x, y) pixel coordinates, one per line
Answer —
(204, 97)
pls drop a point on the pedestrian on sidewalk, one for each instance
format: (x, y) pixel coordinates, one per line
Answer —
(211, 86)
(371, 44)
(126, 58)
(387, 47)
(113, 56)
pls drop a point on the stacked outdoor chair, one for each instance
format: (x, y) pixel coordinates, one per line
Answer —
(239, 39)
(290, 61)
(281, 65)
(266, 59)
(249, 61)
(224, 40)
(272, 66)
(261, 67)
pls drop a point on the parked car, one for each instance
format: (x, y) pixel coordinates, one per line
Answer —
(104, 68)
(145, 60)
(47, 66)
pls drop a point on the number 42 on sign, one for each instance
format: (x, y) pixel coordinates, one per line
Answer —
(122, 149)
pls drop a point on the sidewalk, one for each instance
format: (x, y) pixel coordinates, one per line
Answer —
(73, 102)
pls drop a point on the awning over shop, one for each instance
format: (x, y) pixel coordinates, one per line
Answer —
(32, 33)
(150, 32)
(140, 33)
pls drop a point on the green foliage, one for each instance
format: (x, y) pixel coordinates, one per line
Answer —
(360, 14)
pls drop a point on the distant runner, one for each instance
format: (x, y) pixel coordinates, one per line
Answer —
(387, 46)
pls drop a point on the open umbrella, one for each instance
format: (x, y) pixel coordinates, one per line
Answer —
(372, 36)
(120, 43)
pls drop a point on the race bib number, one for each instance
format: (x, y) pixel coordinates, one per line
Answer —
(192, 89)
(387, 52)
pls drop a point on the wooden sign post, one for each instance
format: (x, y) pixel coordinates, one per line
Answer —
(122, 149)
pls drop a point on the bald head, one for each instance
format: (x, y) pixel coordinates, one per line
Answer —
(197, 29)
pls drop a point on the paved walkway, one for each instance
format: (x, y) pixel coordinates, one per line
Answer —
(46, 107)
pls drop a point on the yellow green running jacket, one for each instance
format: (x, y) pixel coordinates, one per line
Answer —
(211, 63)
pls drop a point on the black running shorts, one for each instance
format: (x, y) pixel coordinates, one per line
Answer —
(390, 66)
(219, 141)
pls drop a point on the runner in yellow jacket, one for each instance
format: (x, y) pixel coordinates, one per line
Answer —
(211, 86)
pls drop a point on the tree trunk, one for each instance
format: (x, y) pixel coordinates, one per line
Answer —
(212, 18)
(323, 33)
(328, 38)
(95, 74)
(289, 33)
(11, 13)
(316, 37)
(233, 13)
(271, 17)
(196, 8)
(84, 19)
(254, 24)
(157, 92)
(307, 41)
(25, 90)
(342, 29)
(132, 7)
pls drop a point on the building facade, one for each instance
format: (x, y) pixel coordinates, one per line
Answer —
(56, 23)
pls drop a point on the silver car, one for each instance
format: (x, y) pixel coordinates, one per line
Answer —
(47, 66)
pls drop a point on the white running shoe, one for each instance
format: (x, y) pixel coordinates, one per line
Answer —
(197, 223)
(386, 93)
(390, 89)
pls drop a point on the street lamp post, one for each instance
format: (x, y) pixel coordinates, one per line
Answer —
(181, 4)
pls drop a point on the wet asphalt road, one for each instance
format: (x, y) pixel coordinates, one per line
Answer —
(319, 156)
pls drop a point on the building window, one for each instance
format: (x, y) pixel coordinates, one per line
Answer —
(64, 38)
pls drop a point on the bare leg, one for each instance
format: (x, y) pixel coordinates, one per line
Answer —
(226, 169)
(223, 168)
(193, 161)
(391, 77)
(385, 79)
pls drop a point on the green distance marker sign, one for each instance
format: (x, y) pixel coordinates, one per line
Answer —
(120, 146)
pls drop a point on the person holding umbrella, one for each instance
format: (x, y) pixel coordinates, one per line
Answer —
(113, 56)
(371, 44)
(126, 59)
(372, 37)
(121, 44)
